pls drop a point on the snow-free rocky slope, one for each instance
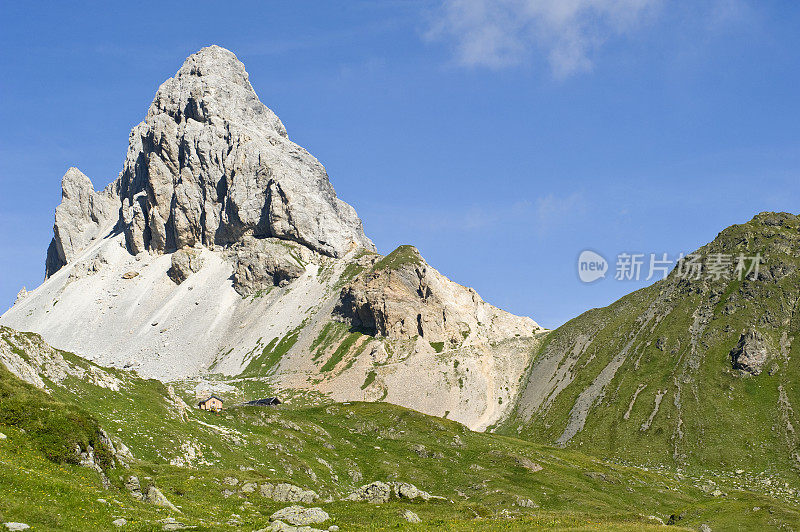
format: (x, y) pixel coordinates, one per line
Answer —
(222, 248)
(702, 374)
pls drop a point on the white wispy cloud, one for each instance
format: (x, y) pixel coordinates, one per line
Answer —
(554, 211)
(499, 33)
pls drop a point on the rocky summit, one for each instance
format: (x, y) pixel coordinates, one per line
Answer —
(209, 165)
(222, 248)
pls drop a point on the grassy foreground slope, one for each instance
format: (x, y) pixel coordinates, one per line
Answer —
(651, 379)
(202, 461)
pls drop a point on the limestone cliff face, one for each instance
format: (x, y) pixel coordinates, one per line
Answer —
(210, 165)
(401, 296)
(80, 218)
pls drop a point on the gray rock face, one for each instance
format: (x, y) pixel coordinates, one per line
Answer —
(261, 263)
(751, 353)
(401, 296)
(81, 216)
(210, 164)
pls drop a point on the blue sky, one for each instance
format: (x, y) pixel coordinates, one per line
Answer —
(501, 138)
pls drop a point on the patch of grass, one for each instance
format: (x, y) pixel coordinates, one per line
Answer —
(55, 427)
(271, 355)
(479, 474)
(327, 337)
(369, 380)
(400, 257)
(437, 346)
(351, 271)
(341, 351)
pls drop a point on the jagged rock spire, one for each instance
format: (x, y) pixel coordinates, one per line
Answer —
(81, 217)
(211, 164)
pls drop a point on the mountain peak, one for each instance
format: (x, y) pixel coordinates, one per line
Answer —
(210, 166)
(212, 86)
(214, 60)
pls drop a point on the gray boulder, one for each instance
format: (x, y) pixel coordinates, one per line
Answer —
(380, 492)
(300, 516)
(185, 262)
(170, 523)
(154, 496)
(16, 526)
(288, 493)
(280, 526)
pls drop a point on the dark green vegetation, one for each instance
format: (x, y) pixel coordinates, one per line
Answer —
(55, 428)
(652, 374)
(437, 346)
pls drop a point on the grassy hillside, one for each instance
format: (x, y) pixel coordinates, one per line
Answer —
(650, 379)
(488, 482)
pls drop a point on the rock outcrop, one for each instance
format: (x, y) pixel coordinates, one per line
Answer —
(300, 516)
(134, 488)
(401, 296)
(210, 164)
(380, 492)
(156, 497)
(751, 353)
(22, 294)
(287, 493)
(261, 263)
(40, 362)
(80, 218)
